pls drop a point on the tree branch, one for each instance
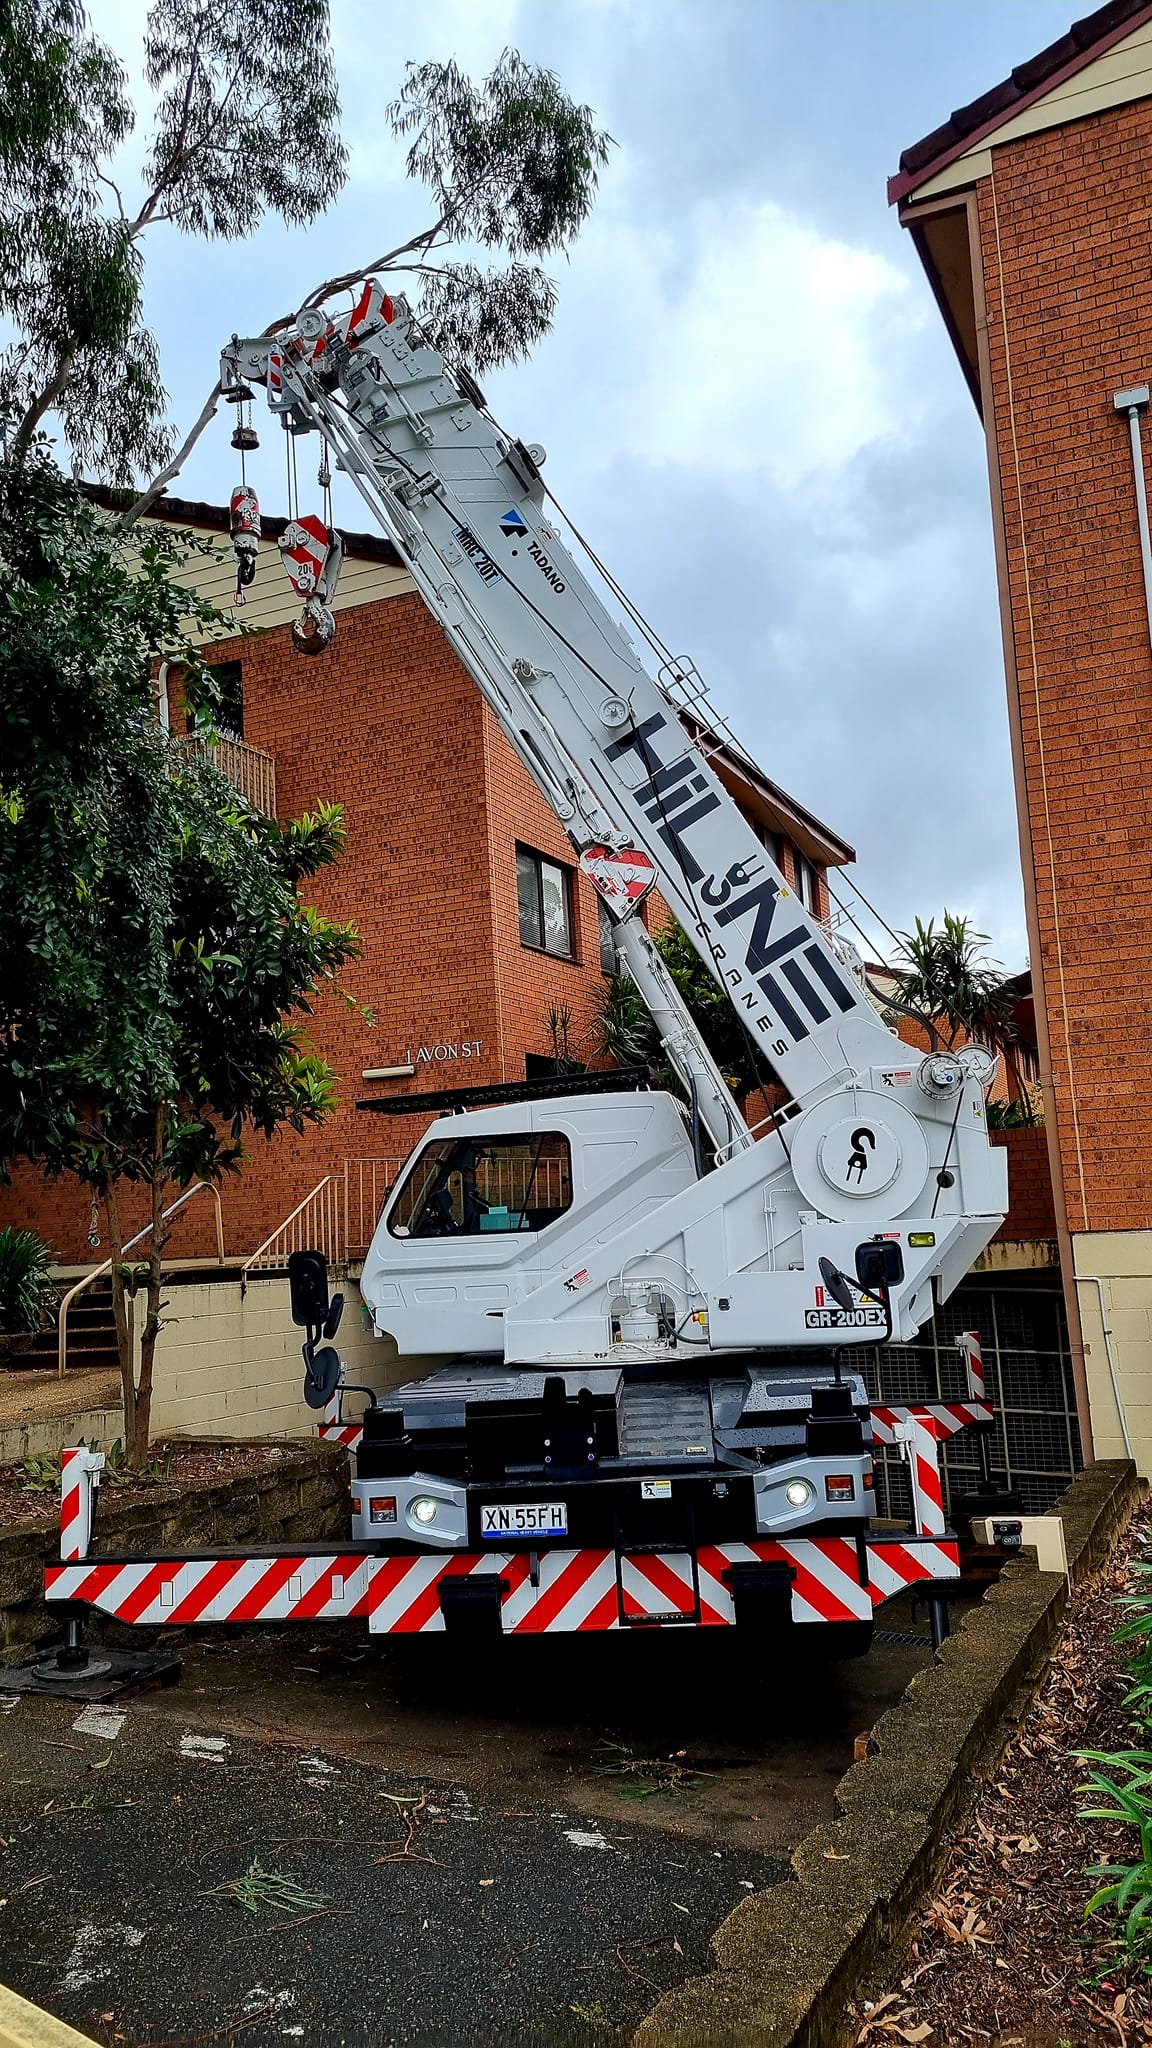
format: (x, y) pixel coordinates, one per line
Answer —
(103, 179)
(172, 469)
(42, 404)
(424, 241)
(163, 477)
(150, 204)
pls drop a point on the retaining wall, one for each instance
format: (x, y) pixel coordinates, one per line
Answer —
(788, 1959)
(301, 1497)
(228, 1364)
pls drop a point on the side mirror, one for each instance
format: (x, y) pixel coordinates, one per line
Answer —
(836, 1284)
(332, 1319)
(321, 1375)
(308, 1288)
(879, 1265)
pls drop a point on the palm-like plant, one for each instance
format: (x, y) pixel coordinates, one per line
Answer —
(27, 1294)
(945, 973)
(947, 981)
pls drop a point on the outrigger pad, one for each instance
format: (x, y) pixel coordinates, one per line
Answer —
(107, 1674)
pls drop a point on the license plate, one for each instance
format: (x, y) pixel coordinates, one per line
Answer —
(525, 1518)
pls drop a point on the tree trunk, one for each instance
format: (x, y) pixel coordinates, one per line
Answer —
(120, 1311)
(157, 1241)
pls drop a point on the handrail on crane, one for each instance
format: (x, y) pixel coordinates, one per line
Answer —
(98, 1272)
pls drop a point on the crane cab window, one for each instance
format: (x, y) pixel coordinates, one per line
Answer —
(470, 1187)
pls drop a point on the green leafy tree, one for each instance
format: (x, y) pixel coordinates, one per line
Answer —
(629, 1037)
(156, 963)
(245, 122)
(511, 165)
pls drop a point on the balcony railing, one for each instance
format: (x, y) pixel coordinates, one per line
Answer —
(248, 769)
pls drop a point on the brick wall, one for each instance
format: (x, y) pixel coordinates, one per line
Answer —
(1064, 225)
(388, 723)
(1031, 1215)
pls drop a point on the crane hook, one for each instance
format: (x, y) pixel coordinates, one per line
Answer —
(315, 629)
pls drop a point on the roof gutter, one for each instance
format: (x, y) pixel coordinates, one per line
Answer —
(904, 183)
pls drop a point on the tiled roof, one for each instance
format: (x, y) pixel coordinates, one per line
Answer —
(1084, 41)
(827, 845)
(192, 512)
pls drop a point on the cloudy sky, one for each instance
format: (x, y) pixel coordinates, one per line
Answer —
(748, 400)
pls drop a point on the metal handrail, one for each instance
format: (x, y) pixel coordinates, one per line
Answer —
(328, 1182)
(374, 1181)
(98, 1272)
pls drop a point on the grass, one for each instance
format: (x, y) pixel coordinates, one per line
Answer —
(268, 1888)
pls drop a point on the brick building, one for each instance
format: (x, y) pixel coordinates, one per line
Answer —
(474, 921)
(1030, 210)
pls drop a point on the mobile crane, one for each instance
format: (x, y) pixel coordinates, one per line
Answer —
(647, 1306)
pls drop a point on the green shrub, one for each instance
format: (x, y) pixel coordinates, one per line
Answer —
(1122, 1789)
(28, 1297)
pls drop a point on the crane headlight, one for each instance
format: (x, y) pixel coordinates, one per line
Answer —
(799, 1492)
(424, 1509)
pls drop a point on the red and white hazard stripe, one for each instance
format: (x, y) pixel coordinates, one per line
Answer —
(334, 1429)
(80, 1471)
(914, 1432)
(946, 1417)
(348, 1433)
(917, 1431)
(568, 1591)
(970, 1349)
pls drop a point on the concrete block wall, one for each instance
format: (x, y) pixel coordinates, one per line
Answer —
(1121, 1260)
(229, 1365)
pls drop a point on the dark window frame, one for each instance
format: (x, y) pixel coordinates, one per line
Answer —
(807, 881)
(230, 678)
(444, 1161)
(539, 861)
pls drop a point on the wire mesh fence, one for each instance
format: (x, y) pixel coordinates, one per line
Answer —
(1028, 1370)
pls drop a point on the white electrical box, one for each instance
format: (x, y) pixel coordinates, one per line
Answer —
(1042, 1533)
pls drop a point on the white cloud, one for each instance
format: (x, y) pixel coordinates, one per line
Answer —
(770, 353)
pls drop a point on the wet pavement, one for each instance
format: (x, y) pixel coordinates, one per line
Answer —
(526, 1843)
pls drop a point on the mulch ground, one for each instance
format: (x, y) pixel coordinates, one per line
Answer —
(1003, 1953)
(191, 1465)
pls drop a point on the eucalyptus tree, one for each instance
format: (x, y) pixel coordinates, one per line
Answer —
(245, 121)
(510, 166)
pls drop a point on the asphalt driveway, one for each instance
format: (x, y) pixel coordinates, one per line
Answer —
(521, 1845)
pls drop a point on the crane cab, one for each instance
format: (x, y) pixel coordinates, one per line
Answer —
(495, 1201)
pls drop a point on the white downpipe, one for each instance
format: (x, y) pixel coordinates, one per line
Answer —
(1133, 403)
(1093, 1280)
(162, 697)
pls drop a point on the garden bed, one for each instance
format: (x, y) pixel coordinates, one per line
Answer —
(1002, 1952)
(218, 1495)
(184, 1463)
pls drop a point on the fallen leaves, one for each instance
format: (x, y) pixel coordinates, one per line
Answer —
(259, 1887)
(1001, 1953)
(901, 2026)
